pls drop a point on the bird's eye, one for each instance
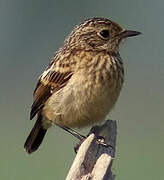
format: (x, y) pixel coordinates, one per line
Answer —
(104, 34)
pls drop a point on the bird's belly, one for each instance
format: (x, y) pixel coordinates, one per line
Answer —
(79, 104)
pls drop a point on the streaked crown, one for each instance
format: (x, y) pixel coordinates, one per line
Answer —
(98, 34)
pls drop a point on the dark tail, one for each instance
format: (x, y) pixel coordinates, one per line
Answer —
(35, 137)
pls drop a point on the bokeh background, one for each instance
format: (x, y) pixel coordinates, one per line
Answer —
(30, 32)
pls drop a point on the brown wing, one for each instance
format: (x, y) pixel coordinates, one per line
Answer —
(50, 83)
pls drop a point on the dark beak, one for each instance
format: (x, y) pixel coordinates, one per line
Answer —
(129, 33)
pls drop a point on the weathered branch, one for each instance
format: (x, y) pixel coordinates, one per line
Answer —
(94, 160)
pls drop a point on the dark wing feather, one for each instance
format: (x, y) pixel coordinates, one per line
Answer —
(52, 82)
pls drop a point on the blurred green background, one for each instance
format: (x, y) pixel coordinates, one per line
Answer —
(30, 31)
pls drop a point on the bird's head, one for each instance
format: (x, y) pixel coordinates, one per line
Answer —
(98, 34)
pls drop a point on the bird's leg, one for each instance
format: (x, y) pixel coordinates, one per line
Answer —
(99, 139)
(73, 132)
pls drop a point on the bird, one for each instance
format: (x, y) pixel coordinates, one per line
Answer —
(82, 82)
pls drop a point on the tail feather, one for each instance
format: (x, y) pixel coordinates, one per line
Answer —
(35, 137)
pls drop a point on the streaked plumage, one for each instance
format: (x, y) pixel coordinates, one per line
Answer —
(83, 80)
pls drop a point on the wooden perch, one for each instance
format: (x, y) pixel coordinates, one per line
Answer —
(94, 160)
